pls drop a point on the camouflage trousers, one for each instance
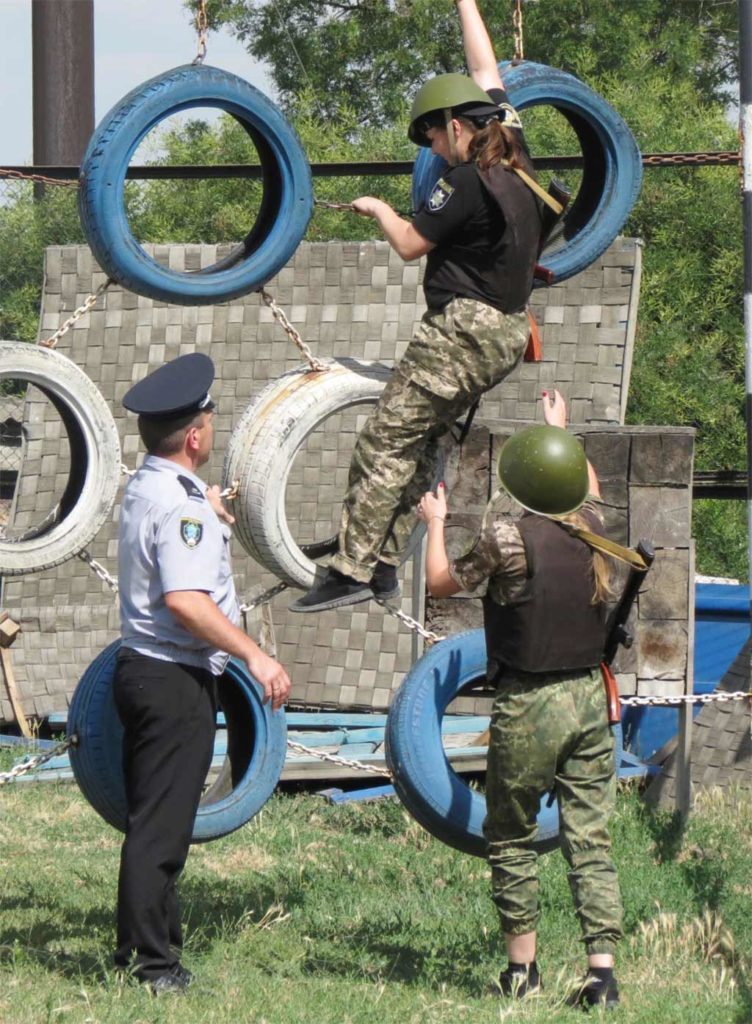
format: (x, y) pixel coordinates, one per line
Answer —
(456, 354)
(550, 732)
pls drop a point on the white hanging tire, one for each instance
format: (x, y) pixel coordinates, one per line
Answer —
(94, 459)
(263, 447)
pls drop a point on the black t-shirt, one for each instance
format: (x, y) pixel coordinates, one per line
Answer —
(467, 226)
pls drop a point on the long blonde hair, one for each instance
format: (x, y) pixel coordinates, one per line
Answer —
(603, 589)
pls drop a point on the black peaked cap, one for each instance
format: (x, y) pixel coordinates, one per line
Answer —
(180, 386)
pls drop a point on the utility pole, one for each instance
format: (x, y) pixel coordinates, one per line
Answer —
(62, 33)
(745, 130)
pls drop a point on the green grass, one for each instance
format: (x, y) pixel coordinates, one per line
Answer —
(352, 915)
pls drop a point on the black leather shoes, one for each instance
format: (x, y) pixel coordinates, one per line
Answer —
(174, 981)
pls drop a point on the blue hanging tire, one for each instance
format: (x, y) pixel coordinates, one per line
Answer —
(611, 175)
(282, 218)
(434, 794)
(257, 744)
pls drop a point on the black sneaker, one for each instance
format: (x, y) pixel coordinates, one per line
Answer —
(519, 980)
(595, 991)
(384, 582)
(335, 591)
(175, 981)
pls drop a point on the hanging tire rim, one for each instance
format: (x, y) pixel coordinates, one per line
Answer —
(270, 439)
(282, 218)
(612, 166)
(94, 476)
(434, 794)
(256, 741)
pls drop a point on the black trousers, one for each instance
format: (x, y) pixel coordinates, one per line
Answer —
(168, 713)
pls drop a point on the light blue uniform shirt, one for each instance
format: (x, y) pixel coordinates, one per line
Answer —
(170, 538)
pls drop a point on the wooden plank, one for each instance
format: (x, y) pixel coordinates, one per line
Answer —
(14, 694)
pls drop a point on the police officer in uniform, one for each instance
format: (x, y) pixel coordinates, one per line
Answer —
(545, 633)
(480, 230)
(179, 623)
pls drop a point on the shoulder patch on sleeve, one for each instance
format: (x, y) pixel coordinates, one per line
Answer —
(442, 193)
(191, 531)
(190, 488)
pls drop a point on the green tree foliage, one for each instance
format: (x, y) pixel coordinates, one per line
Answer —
(26, 227)
(374, 53)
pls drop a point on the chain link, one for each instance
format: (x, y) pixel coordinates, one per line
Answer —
(263, 598)
(315, 364)
(99, 570)
(326, 205)
(413, 624)
(685, 698)
(76, 315)
(31, 763)
(344, 762)
(6, 172)
(202, 28)
(125, 471)
(519, 47)
(720, 159)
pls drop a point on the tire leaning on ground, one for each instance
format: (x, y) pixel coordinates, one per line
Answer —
(434, 794)
(263, 447)
(283, 216)
(257, 741)
(611, 174)
(95, 459)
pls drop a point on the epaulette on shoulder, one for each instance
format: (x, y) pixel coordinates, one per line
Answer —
(190, 488)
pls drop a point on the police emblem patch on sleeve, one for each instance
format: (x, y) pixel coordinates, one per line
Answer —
(442, 193)
(191, 531)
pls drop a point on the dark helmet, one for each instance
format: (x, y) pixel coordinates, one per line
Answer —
(545, 469)
(457, 93)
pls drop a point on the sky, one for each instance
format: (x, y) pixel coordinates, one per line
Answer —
(133, 41)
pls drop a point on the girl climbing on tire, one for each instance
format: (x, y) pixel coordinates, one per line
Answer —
(544, 618)
(481, 230)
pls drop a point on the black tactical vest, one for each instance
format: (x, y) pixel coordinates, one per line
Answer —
(516, 253)
(553, 626)
(499, 274)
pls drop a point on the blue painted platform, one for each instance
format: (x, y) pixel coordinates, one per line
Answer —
(722, 624)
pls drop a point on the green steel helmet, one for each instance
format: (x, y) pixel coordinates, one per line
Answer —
(454, 92)
(545, 469)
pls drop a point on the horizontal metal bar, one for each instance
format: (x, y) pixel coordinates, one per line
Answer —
(371, 168)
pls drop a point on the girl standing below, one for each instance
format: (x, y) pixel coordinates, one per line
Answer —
(545, 634)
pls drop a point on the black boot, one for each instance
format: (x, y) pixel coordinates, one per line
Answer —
(520, 980)
(597, 988)
(384, 582)
(335, 591)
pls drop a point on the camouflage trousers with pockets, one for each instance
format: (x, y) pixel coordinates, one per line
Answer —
(550, 731)
(456, 355)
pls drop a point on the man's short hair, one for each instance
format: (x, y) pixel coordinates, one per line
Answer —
(165, 436)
